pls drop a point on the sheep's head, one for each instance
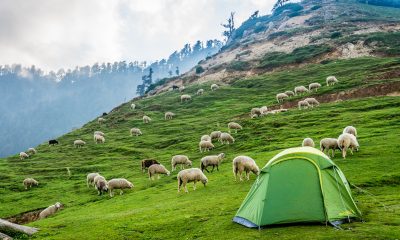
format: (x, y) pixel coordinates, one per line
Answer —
(204, 181)
(256, 170)
(130, 185)
(189, 163)
(168, 173)
(58, 205)
(221, 156)
(35, 183)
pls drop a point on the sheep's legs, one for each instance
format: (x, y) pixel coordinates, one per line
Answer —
(121, 192)
(194, 185)
(158, 176)
(248, 175)
(212, 170)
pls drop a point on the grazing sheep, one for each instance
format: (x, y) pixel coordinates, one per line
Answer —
(314, 86)
(244, 164)
(347, 141)
(264, 110)
(136, 132)
(205, 138)
(308, 142)
(100, 184)
(53, 142)
(280, 97)
(29, 182)
(50, 210)
(90, 179)
(99, 133)
(213, 160)
(182, 88)
(331, 80)
(214, 87)
(312, 101)
(99, 139)
(200, 91)
(185, 97)
(118, 183)
(174, 87)
(23, 155)
(32, 151)
(101, 120)
(180, 159)
(146, 119)
(146, 163)
(255, 112)
(235, 126)
(169, 115)
(303, 104)
(350, 130)
(226, 138)
(133, 106)
(215, 135)
(289, 93)
(104, 114)
(190, 175)
(79, 143)
(300, 90)
(205, 146)
(328, 144)
(157, 169)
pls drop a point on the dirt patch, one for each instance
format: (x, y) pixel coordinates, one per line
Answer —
(26, 217)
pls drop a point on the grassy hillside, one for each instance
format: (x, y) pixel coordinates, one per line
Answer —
(154, 210)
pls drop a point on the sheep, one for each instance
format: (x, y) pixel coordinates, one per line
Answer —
(90, 179)
(101, 120)
(31, 151)
(146, 163)
(300, 90)
(280, 97)
(79, 143)
(101, 185)
(215, 135)
(23, 155)
(331, 80)
(205, 146)
(263, 110)
(185, 97)
(190, 175)
(29, 182)
(308, 142)
(314, 86)
(214, 87)
(312, 101)
(99, 139)
(180, 159)
(205, 138)
(255, 112)
(174, 87)
(146, 119)
(118, 183)
(157, 169)
(235, 126)
(350, 130)
(133, 106)
(347, 141)
(213, 160)
(50, 210)
(169, 115)
(200, 91)
(289, 93)
(244, 164)
(303, 104)
(182, 88)
(104, 114)
(328, 144)
(99, 133)
(53, 142)
(135, 131)
(226, 138)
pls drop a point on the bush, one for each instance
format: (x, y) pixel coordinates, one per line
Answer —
(315, 7)
(260, 29)
(336, 35)
(199, 69)
(238, 66)
(291, 7)
(386, 3)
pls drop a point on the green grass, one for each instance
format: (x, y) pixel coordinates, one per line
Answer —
(154, 210)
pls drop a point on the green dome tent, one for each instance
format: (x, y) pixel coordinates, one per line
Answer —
(298, 185)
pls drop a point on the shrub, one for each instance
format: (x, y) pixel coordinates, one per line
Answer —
(291, 7)
(313, 8)
(199, 69)
(336, 35)
(238, 66)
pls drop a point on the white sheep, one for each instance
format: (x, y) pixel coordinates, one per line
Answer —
(90, 179)
(327, 144)
(169, 115)
(118, 183)
(255, 112)
(308, 142)
(205, 146)
(215, 135)
(214, 87)
(205, 138)
(180, 159)
(31, 151)
(263, 110)
(99, 133)
(182, 88)
(23, 155)
(350, 130)
(100, 184)
(29, 182)
(190, 175)
(289, 93)
(99, 139)
(101, 120)
(79, 143)
(133, 106)
(185, 97)
(226, 138)
(331, 80)
(312, 101)
(50, 210)
(300, 90)
(135, 131)
(234, 126)
(157, 169)
(280, 97)
(213, 160)
(146, 119)
(347, 141)
(303, 104)
(200, 91)
(314, 86)
(244, 164)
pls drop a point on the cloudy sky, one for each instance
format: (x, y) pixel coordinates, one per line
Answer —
(54, 34)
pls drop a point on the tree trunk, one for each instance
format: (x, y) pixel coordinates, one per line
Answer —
(5, 237)
(16, 227)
